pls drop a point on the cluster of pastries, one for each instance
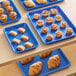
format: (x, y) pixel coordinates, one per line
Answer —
(30, 3)
(50, 21)
(9, 10)
(18, 41)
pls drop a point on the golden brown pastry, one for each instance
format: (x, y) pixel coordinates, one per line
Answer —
(58, 34)
(21, 30)
(13, 33)
(3, 18)
(9, 9)
(12, 15)
(45, 13)
(36, 16)
(44, 30)
(25, 61)
(53, 62)
(0, 5)
(20, 48)
(16, 41)
(6, 3)
(40, 23)
(49, 37)
(24, 38)
(69, 31)
(53, 11)
(28, 45)
(54, 27)
(35, 68)
(63, 24)
(41, 1)
(45, 54)
(58, 18)
(1, 11)
(29, 3)
(52, 0)
(49, 20)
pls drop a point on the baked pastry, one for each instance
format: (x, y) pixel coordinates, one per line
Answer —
(58, 34)
(21, 30)
(45, 54)
(25, 61)
(40, 23)
(3, 18)
(44, 30)
(36, 16)
(13, 15)
(6, 3)
(45, 13)
(49, 37)
(16, 41)
(1, 11)
(0, 5)
(9, 9)
(52, 0)
(58, 18)
(54, 27)
(24, 38)
(28, 45)
(29, 3)
(69, 31)
(63, 24)
(53, 11)
(49, 20)
(20, 48)
(13, 33)
(53, 62)
(41, 1)
(35, 68)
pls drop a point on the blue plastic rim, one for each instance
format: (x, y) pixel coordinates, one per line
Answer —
(28, 33)
(38, 29)
(8, 18)
(39, 5)
(64, 63)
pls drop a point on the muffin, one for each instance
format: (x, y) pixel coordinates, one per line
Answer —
(49, 37)
(53, 11)
(63, 24)
(36, 16)
(44, 30)
(69, 31)
(45, 13)
(9, 9)
(58, 34)
(6, 3)
(12, 15)
(40, 23)
(3, 18)
(54, 27)
(1, 11)
(58, 18)
(49, 20)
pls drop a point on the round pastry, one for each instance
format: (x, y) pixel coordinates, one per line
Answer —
(69, 31)
(49, 37)
(63, 25)
(58, 18)
(36, 16)
(49, 20)
(1, 11)
(53, 11)
(45, 13)
(58, 34)
(12, 15)
(9, 9)
(3, 18)
(44, 30)
(6, 3)
(40, 23)
(54, 27)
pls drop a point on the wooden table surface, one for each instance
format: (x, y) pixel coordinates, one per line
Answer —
(6, 53)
